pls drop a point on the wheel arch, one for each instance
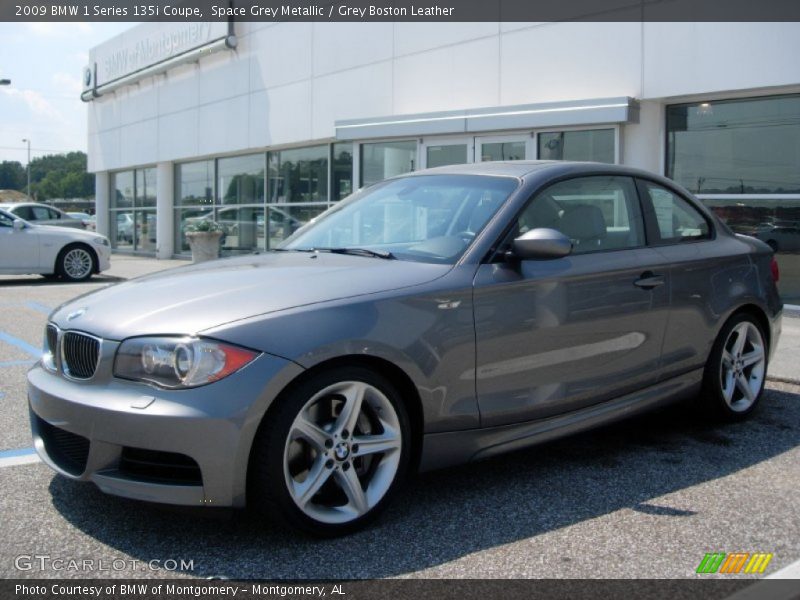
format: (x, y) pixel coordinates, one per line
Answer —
(758, 313)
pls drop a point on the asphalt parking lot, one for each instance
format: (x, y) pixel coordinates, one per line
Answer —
(646, 498)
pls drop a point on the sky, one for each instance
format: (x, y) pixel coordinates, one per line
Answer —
(45, 62)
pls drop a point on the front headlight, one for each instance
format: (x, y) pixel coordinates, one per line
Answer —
(49, 347)
(102, 241)
(179, 362)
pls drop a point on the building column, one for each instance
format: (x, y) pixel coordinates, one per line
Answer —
(165, 215)
(102, 201)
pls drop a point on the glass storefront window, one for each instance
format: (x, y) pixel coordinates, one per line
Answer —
(123, 190)
(774, 221)
(145, 230)
(747, 146)
(122, 229)
(446, 154)
(386, 159)
(243, 228)
(342, 171)
(133, 228)
(241, 179)
(283, 221)
(596, 145)
(298, 175)
(194, 183)
(502, 151)
(146, 187)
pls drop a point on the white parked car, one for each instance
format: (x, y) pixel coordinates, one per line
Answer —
(71, 254)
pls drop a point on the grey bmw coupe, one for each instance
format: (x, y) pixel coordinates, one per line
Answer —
(432, 319)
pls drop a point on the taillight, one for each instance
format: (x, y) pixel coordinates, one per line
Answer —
(776, 272)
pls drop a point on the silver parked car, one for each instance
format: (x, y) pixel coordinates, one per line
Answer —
(432, 319)
(42, 214)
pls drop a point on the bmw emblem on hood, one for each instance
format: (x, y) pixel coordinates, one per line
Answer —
(74, 315)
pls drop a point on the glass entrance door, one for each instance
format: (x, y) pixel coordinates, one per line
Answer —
(508, 147)
(438, 152)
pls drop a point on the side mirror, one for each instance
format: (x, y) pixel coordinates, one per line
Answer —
(19, 225)
(541, 243)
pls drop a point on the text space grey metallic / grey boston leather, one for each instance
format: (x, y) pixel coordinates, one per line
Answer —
(434, 318)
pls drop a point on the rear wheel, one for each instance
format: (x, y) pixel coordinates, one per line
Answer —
(75, 262)
(737, 369)
(331, 456)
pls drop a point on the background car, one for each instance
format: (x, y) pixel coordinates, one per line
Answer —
(433, 319)
(41, 214)
(89, 221)
(72, 255)
(125, 227)
(781, 236)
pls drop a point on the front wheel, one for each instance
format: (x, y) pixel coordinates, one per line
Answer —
(332, 454)
(75, 263)
(736, 369)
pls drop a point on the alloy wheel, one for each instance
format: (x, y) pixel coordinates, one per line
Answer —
(743, 366)
(77, 263)
(342, 452)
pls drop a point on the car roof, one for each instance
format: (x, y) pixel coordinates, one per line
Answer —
(524, 168)
(9, 205)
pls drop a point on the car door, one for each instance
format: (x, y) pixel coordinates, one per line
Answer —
(557, 335)
(19, 250)
(703, 273)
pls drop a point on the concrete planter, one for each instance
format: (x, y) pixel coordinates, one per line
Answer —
(204, 245)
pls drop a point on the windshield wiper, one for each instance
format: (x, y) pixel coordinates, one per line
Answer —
(358, 252)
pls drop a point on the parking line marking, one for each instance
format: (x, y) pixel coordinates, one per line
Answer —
(21, 344)
(20, 456)
(39, 307)
(791, 571)
(16, 363)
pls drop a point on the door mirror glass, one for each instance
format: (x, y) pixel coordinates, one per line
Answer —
(541, 243)
(19, 224)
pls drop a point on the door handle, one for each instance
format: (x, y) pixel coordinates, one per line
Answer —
(649, 280)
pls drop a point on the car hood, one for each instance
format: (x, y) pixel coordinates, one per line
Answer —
(65, 232)
(188, 300)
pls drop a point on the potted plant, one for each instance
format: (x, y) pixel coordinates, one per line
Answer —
(204, 237)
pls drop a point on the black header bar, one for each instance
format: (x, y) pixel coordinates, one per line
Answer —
(401, 10)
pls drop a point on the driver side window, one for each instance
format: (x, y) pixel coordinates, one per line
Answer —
(597, 213)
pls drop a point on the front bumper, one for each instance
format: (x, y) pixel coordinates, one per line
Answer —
(187, 447)
(103, 258)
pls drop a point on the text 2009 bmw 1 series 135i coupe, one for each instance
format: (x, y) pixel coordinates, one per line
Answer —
(431, 319)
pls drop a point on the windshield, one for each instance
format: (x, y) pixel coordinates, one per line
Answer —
(427, 218)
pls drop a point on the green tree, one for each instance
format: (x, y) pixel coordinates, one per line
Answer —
(12, 175)
(61, 176)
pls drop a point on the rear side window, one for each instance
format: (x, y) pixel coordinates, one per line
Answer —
(41, 213)
(597, 213)
(24, 212)
(677, 220)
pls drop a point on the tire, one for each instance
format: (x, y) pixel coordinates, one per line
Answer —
(322, 469)
(736, 370)
(76, 262)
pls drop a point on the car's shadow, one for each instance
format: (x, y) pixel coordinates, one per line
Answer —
(448, 514)
(37, 281)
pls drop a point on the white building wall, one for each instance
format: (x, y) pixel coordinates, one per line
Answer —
(287, 83)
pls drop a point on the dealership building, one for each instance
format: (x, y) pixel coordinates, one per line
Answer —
(262, 126)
